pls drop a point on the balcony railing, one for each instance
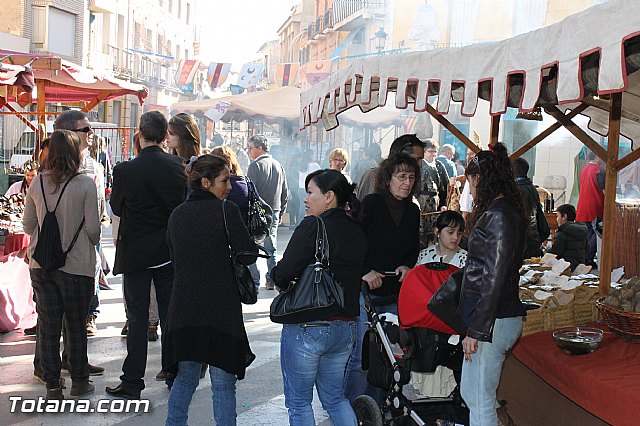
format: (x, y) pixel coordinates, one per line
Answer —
(342, 9)
(122, 62)
(318, 26)
(328, 19)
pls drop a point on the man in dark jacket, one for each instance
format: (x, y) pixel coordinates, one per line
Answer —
(145, 192)
(538, 227)
(571, 242)
(271, 182)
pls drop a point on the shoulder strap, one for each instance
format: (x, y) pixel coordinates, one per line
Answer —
(75, 237)
(322, 242)
(44, 197)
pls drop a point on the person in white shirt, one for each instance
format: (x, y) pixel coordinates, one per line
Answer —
(21, 187)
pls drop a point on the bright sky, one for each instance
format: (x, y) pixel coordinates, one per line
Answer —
(233, 30)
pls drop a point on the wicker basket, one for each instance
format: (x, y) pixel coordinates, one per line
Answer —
(625, 324)
(548, 316)
(584, 305)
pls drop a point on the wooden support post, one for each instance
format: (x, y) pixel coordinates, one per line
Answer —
(42, 118)
(611, 180)
(495, 129)
(20, 115)
(549, 130)
(95, 101)
(576, 131)
(628, 159)
(453, 129)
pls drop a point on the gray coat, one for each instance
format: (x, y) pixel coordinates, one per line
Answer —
(269, 177)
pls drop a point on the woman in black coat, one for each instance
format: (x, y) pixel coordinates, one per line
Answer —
(391, 223)
(204, 323)
(316, 352)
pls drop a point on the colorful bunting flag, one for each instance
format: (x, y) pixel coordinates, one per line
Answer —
(186, 71)
(250, 75)
(217, 74)
(287, 74)
(316, 71)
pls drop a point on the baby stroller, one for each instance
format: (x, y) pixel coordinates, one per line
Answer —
(391, 352)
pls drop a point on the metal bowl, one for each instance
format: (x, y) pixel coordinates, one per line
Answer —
(578, 340)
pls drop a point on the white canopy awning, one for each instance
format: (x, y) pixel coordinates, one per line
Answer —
(590, 53)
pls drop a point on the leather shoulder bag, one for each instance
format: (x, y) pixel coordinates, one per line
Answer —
(246, 287)
(316, 295)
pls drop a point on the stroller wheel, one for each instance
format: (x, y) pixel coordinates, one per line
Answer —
(367, 411)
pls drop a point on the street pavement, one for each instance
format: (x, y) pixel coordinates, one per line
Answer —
(260, 399)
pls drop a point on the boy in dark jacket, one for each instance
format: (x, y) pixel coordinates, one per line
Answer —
(571, 242)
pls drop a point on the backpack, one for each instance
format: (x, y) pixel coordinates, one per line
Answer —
(48, 252)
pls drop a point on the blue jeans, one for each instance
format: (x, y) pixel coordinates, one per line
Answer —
(481, 376)
(316, 353)
(356, 383)
(223, 390)
(271, 245)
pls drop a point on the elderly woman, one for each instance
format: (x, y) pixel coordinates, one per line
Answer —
(338, 160)
(391, 224)
(491, 307)
(317, 351)
(204, 322)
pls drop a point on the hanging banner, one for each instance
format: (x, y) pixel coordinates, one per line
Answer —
(250, 75)
(287, 74)
(316, 71)
(218, 110)
(186, 72)
(217, 74)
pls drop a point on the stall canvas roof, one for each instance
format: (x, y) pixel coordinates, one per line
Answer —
(592, 53)
(64, 81)
(281, 104)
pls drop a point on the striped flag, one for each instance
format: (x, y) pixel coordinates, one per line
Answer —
(186, 71)
(217, 74)
(250, 75)
(316, 71)
(287, 74)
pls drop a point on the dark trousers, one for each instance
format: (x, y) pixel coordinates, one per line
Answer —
(61, 296)
(593, 243)
(137, 286)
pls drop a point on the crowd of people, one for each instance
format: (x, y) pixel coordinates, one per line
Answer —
(179, 212)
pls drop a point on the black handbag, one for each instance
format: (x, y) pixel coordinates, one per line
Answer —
(316, 295)
(445, 303)
(246, 287)
(260, 214)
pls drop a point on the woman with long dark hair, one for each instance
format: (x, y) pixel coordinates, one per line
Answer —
(184, 136)
(491, 307)
(204, 322)
(67, 291)
(316, 352)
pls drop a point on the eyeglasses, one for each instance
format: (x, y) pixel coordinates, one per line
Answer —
(432, 151)
(338, 160)
(83, 130)
(405, 177)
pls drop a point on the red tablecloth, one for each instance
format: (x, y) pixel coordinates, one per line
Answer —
(13, 243)
(605, 382)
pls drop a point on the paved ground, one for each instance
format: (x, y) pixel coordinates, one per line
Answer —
(259, 396)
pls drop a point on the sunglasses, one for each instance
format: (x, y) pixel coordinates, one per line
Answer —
(83, 130)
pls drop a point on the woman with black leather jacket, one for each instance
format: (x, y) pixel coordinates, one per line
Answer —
(491, 308)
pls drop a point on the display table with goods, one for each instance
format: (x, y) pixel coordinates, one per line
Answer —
(17, 308)
(556, 297)
(545, 385)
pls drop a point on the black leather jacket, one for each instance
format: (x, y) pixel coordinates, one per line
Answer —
(490, 283)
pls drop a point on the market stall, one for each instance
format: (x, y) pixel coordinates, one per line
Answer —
(586, 64)
(56, 81)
